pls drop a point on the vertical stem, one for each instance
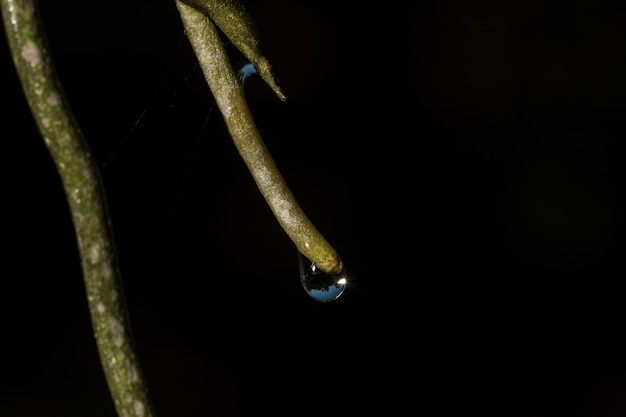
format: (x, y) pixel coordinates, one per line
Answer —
(85, 194)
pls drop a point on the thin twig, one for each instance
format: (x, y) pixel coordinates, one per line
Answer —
(228, 93)
(85, 194)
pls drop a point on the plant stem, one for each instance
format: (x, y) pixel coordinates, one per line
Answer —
(86, 198)
(229, 96)
(235, 22)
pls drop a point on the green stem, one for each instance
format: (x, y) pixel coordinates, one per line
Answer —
(233, 19)
(228, 93)
(85, 195)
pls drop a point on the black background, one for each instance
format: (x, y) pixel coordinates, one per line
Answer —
(464, 158)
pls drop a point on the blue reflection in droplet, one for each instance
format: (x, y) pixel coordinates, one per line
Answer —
(244, 72)
(319, 285)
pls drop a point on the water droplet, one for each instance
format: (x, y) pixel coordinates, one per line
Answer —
(245, 72)
(319, 285)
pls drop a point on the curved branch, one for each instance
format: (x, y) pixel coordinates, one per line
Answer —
(228, 93)
(85, 195)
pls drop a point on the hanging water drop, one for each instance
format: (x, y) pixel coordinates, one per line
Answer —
(319, 285)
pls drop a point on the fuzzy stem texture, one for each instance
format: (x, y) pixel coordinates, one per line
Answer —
(229, 96)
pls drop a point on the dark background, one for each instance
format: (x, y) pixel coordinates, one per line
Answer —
(464, 158)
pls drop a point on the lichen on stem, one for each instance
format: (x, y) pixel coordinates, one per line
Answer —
(87, 202)
(229, 96)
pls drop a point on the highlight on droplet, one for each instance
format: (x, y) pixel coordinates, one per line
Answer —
(319, 285)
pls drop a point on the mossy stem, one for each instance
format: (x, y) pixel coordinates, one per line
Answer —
(229, 96)
(87, 203)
